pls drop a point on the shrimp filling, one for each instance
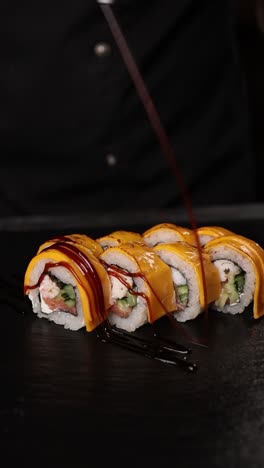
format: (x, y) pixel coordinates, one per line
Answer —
(56, 296)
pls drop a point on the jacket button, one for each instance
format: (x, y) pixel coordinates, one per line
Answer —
(102, 49)
(111, 159)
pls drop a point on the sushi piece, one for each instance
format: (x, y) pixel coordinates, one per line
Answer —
(207, 233)
(119, 237)
(184, 260)
(168, 233)
(240, 262)
(68, 285)
(141, 286)
(82, 239)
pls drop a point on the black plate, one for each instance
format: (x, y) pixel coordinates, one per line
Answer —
(69, 399)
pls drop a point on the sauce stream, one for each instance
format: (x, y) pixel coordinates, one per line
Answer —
(158, 128)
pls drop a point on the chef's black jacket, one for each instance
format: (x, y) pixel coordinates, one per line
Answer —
(74, 135)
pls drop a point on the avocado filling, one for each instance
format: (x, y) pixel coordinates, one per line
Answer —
(233, 281)
(182, 294)
(67, 293)
(124, 294)
(130, 300)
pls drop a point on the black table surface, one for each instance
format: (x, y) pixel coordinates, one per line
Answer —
(68, 399)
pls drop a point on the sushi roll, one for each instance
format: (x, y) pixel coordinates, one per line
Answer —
(168, 233)
(120, 237)
(240, 262)
(207, 233)
(141, 286)
(68, 285)
(184, 260)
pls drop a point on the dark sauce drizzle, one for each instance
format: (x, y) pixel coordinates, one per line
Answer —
(84, 265)
(166, 346)
(161, 350)
(119, 273)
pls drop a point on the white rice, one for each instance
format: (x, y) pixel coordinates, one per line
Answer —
(204, 238)
(193, 308)
(226, 252)
(109, 242)
(162, 235)
(66, 319)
